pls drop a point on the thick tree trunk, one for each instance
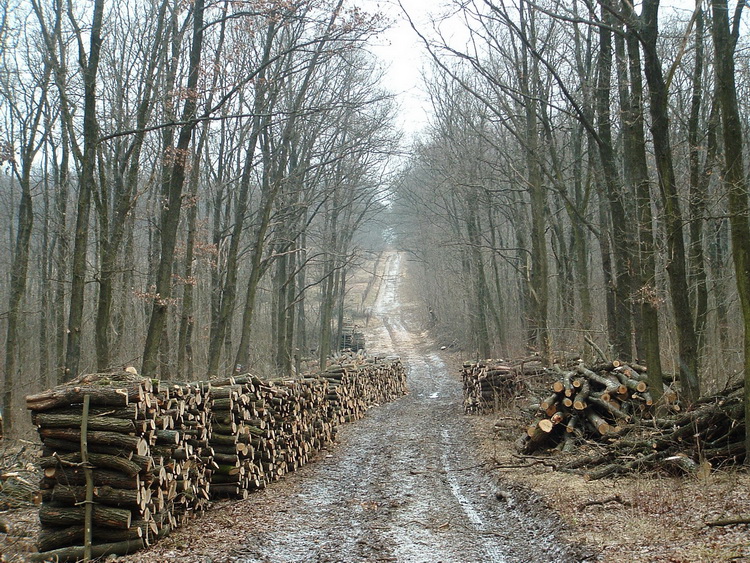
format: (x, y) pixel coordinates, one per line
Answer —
(621, 239)
(85, 189)
(734, 176)
(636, 172)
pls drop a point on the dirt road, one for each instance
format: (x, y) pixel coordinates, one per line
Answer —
(404, 484)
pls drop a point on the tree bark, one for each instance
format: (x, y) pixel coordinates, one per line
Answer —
(725, 41)
(676, 263)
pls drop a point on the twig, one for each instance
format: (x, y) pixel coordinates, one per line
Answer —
(729, 521)
(614, 498)
(595, 346)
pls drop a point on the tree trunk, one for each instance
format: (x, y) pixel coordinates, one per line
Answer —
(538, 331)
(170, 216)
(725, 42)
(621, 240)
(636, 167)
(676, 264)
(85, 189)
(698, 189)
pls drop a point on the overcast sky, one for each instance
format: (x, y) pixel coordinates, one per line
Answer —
(403, 54)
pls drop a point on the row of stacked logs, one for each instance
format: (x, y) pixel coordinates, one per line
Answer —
(159, 451)
(488, 384)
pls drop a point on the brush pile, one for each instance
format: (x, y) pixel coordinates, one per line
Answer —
(710, 434)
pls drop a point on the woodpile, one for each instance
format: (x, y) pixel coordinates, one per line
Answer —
(124, 478)
(147, 455)
(489, 383)
(263, 429)
(587, 403)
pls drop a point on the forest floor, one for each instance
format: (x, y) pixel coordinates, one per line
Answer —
(419, 480)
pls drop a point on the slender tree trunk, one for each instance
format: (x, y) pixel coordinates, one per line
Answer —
(676, 265)
(699, 179)
(18, 277)
(170, 216)
(480, 295)
(539, 266)
(62, 190)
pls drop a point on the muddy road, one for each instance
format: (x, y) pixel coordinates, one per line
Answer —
(404, 484)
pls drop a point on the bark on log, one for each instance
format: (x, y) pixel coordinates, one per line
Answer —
(105, 516)
(112, 439)
(121, 498)
(102, 396)
(54, 420)
(75, 553)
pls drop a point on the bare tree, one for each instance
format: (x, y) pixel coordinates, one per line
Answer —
(725, 41)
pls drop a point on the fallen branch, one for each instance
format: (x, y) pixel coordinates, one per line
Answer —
(729, 521)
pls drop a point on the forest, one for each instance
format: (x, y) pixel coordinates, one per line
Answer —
(187, 187)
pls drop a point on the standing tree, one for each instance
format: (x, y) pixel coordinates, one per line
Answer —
(725, 42)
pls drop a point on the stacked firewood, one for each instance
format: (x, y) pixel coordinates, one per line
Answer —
(157, 452)
(262, 430)
(357, 383)
(181, 448)
(587, 402)
(489, 383)
(120, 428)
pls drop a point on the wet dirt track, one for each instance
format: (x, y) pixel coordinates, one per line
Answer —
(403, 484)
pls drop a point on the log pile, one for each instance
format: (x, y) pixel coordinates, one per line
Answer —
(587, 403)
(157, 452)
(121, 426)
(489, 383)
(262, 430)
(180, 446)
(356, 384)
(710, 434)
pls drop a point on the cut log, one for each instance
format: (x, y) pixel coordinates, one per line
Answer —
(75, 553)
(64, 396)
(112, 439)
(106, 516)
(53, 420)
(122, 498)
(104, 461)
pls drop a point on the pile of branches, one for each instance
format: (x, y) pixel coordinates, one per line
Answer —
(711, 432)
(148, 454)
(593, 402)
